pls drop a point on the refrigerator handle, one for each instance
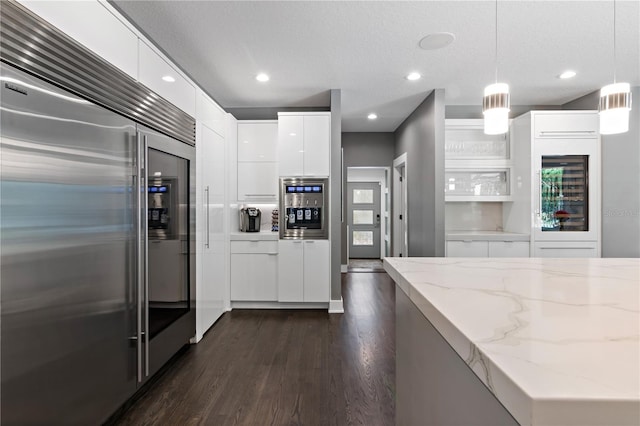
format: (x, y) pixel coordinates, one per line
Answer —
(138, 187)
(145, 227)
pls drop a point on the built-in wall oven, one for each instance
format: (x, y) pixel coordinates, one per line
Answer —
(304, 206)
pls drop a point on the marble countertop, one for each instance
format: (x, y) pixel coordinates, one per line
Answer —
(485, 236)
(254, 236)
(557, 341)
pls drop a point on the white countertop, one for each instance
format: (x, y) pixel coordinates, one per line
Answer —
(485, 236)
(254, 236)
(557, 341)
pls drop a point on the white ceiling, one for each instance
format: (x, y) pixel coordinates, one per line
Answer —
(366, 48)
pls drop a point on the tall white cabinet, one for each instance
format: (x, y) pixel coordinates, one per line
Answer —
(559, 199)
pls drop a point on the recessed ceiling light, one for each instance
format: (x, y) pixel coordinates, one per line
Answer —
(372, 116)
(168, 78)
(436, 41)
(567, 74)
(262, 77)
(414, 76)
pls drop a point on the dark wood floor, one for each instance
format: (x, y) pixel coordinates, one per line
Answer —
(260, 367)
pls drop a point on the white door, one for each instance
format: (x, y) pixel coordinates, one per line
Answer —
(363, 201)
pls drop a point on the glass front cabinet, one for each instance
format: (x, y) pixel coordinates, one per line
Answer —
(566, 190)
(477, 166)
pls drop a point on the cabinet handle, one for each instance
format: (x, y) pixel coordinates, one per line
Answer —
(297, 242)
(272, 254)
(309, 242)
(259, 195)
(566, 132)
(567, 248)
(207, 213)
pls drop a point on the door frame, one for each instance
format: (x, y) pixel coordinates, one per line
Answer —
(400, 207)
(379, 247)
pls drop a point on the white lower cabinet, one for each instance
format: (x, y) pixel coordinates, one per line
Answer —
(254, 271)
(508, 248)
(475, 248)
(467, 249)
(303, 271)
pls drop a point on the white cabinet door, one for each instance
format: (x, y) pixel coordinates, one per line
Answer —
(467, 249)
(565, 124)
(316, 271)
(290, 145)
(153, 72)
(211, 285)
(254, 277)
(317, 145)
(569, 249)
(258, 141)
(508, 248)
(290, 271)
(257, 181)
(210, 114)
(95, 27)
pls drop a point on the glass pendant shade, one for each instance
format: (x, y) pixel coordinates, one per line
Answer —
(614, 108)
(495, 108)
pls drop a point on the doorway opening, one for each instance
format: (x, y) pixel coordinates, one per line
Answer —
(400, 221)
(368, 210)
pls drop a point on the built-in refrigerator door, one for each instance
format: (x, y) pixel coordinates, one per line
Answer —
(167, 286)
(566, 190)
(67, 263)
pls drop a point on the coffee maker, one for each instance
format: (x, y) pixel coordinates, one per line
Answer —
(250, 219)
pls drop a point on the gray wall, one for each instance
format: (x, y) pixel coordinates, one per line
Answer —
(364, 150)
(421, 136)
(335, 227)
(620, 182)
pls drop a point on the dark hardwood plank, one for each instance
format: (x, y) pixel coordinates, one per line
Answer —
(285, 367)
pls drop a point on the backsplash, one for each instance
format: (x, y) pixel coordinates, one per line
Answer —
(473, 216)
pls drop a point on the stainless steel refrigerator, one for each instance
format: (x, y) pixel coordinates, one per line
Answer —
(97, 247)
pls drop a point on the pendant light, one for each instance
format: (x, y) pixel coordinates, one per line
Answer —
(496, 102)
(615, 99)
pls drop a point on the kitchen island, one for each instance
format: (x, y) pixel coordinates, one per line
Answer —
(517, 341)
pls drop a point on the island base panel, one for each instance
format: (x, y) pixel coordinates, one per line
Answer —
(434, 385)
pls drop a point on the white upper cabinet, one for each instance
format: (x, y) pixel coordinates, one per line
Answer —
(317, 145)
(210, 114)
(566, 124)
(95, 27)
(304, 144)
(290, 145)
(162, 78)
(257, 141)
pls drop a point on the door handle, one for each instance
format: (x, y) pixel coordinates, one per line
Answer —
(377, 221)
(145, 332)
(139, 187)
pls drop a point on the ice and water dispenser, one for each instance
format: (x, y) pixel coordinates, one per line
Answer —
(303, 207)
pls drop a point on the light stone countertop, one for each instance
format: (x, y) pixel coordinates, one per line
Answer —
(485, 236)
(557, 341)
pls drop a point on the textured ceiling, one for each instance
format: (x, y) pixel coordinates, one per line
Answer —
(365, 48)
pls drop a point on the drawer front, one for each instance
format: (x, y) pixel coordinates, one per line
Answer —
(575, 249)
(566, 125)
(467, 249)
(508, 249)
(266, 247)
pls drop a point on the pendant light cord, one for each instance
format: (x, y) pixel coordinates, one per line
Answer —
(615, 58)
(496, 52)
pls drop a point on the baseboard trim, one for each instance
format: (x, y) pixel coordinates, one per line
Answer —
(278, 305)
(344, 269)
(336, 306)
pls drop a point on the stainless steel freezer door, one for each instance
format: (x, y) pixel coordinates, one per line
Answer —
(67, 262)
